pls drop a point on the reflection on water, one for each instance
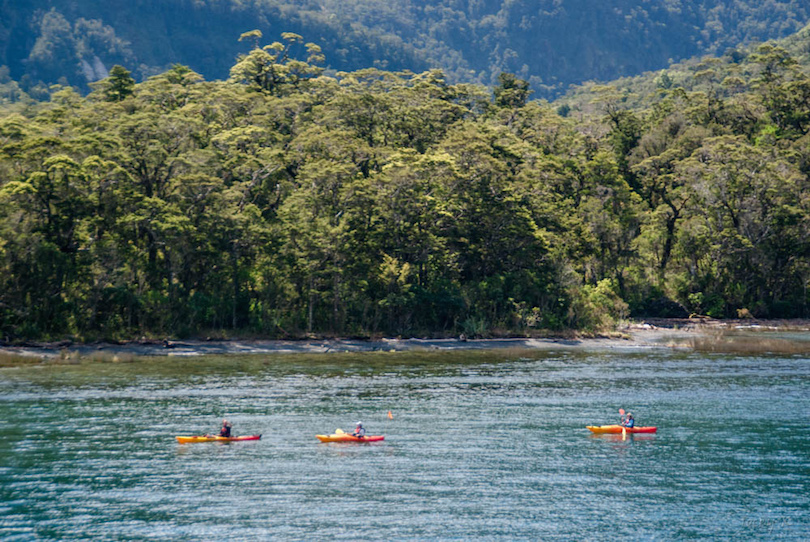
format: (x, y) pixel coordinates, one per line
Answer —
(746, 340)
(630, 437)
(481, 445)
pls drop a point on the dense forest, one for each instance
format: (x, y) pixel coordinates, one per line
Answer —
(549, 43)
(284, 201)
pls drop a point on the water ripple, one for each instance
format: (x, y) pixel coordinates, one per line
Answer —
(485, 447)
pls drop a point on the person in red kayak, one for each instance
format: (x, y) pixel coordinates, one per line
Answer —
(628, 421)
(359, 431)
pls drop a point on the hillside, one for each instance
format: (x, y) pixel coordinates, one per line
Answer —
(286, 200)
(727, 74)
(550, 43)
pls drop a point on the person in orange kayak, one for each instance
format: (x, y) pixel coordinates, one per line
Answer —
(226, 429)
(628, 421)
(359, 431)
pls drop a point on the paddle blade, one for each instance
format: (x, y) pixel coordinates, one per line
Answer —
(390, 416)
(338, 431)
(621, 411)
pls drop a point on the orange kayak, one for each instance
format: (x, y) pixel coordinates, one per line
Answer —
(346, 437)
(203, 438)
(613, 429)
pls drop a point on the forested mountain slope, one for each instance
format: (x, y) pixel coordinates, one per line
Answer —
(733, 72)
(550, 43)
(284, 202)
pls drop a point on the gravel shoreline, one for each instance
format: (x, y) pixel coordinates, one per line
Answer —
(685, 334)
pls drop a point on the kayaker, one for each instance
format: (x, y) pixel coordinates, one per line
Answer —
(628, 421)
(226, 429)
(359, 431)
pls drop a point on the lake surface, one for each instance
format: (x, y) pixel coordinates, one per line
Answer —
(482, 445)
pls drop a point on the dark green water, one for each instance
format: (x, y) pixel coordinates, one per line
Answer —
(484, 446)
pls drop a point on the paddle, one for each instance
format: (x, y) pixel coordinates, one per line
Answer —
(624, 429)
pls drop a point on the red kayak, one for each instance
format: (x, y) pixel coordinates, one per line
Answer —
(346, 437)
(613, 429)
(205, 438)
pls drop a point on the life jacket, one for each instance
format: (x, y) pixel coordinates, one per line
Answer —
(225, 431)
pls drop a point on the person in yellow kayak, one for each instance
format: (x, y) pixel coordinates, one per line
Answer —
(359, 430)
(628, 420)
(225, 431)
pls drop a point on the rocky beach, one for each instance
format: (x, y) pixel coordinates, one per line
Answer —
(753, 336)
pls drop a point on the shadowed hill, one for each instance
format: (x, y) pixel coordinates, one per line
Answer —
(550, 43)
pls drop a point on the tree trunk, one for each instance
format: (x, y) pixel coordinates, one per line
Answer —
(311, 303)
(235, 280)
(335, 302)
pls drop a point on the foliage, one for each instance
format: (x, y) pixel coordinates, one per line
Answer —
(285, 202)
